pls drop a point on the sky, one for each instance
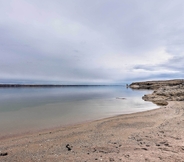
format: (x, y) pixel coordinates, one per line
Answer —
(91, 41)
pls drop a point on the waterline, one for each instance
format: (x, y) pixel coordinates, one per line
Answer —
(25, 109)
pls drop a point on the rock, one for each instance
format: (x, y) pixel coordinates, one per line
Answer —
(169, 90)
(164, 94)
(134, 86)
(160, 102)
(3, 154)
(156, 84)
(69, 147)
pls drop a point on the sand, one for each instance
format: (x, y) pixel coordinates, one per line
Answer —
(155, 135)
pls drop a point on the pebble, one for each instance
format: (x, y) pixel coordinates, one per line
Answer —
(3, 154)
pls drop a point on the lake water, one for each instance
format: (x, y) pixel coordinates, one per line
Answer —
(27, 109)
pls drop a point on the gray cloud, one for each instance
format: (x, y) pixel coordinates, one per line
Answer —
(91, 41)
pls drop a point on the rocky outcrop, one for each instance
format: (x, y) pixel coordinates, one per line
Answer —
(169, 90)
(156, 84)
(166, 93)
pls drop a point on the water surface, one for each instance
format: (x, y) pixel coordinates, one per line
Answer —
(27, 109)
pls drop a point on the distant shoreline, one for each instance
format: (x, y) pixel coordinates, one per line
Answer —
(46, 85)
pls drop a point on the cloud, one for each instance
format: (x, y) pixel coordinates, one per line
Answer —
(88, 42)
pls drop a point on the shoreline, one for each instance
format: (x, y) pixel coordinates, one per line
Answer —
(151, 135)
(129, 137)
(47, 85)
(54, 128)
(8, 132)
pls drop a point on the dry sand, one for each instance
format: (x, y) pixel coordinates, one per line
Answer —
(156, 135)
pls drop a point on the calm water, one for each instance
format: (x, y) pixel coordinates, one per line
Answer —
(25, 109)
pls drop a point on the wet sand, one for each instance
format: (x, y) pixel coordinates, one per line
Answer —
(155, 135)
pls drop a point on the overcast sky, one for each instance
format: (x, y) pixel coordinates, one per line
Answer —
(91, 41)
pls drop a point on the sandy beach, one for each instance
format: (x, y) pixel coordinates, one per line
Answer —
(155, 135)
